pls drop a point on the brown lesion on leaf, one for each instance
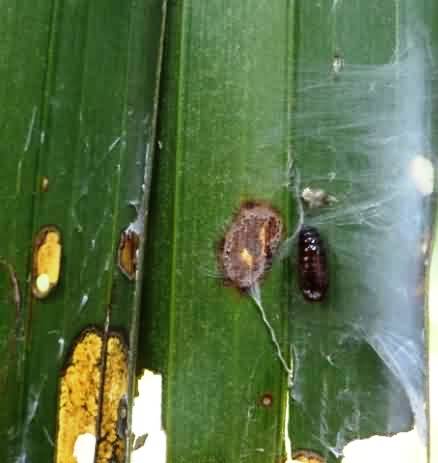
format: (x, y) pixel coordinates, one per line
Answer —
(250, 243)
(79, 394)
(128, 253)
(306, 456)
(46, 261)
(92, 397)
(266, 400)
(112, 437)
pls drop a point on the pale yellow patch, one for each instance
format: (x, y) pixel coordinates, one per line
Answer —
(246, 257)
(44, 184)
(43, 284)
(49, 257)
(47, 262)
(262, 236)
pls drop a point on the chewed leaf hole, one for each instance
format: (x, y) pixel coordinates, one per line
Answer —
(249, 244)
(149, 437)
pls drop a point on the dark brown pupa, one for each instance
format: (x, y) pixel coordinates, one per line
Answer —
(312, 264)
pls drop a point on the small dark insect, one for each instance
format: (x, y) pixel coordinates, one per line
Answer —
(312, 264)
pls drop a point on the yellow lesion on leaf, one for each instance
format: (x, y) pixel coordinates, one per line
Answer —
(111, 447)
(78, 406)
(47, 261)
(246, 257)
(92, 397)
(262, 237)
(304, 456)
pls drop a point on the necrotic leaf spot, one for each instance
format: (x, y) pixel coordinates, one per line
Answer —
(249, 244)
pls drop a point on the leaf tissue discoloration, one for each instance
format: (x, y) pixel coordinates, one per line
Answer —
(46, 261)
(306, 456)
(79, 391)
(128, 252)
(111, 446)
(92, 397)
(250, 243)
